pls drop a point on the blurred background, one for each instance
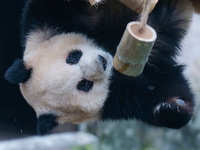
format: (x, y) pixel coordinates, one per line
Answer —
(17, 119)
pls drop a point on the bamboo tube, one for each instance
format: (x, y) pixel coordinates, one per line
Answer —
(134, 49)
(137, 5)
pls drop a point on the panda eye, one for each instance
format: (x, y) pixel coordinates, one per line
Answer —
(74, 57)
(85, 85)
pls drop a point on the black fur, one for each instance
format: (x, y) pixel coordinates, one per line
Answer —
(130, 97)
(18, 73)
(46, 123)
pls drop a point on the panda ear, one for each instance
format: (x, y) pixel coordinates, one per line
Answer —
(46, 123)
(17, 73)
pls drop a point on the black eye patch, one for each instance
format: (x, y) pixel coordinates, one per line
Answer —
(85, 85)
(74, 57)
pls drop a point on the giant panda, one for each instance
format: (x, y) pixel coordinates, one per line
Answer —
(66, 73)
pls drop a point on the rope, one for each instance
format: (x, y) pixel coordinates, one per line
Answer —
(144, 15)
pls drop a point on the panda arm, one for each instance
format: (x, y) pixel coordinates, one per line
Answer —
(161, 96)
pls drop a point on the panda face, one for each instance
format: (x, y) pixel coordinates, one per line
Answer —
(70, 76)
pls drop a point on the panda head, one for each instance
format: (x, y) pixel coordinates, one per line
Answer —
(64, 78)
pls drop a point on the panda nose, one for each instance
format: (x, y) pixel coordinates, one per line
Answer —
(103, 62)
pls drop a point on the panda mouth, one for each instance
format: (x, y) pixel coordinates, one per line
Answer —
(85, 85)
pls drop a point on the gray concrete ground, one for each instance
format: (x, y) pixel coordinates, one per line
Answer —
(11, 132)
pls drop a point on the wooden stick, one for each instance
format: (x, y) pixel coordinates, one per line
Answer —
(137, 5)
(134, 49)
(196, 4)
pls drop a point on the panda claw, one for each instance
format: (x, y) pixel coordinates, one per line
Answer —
(171, 115)
(180, 102)
(178, 109)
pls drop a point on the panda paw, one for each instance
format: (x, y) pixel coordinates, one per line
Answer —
(173, 114)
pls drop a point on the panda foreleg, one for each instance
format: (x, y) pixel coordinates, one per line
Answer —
(161, 99)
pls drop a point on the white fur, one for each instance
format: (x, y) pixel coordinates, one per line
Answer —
(53, 82)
